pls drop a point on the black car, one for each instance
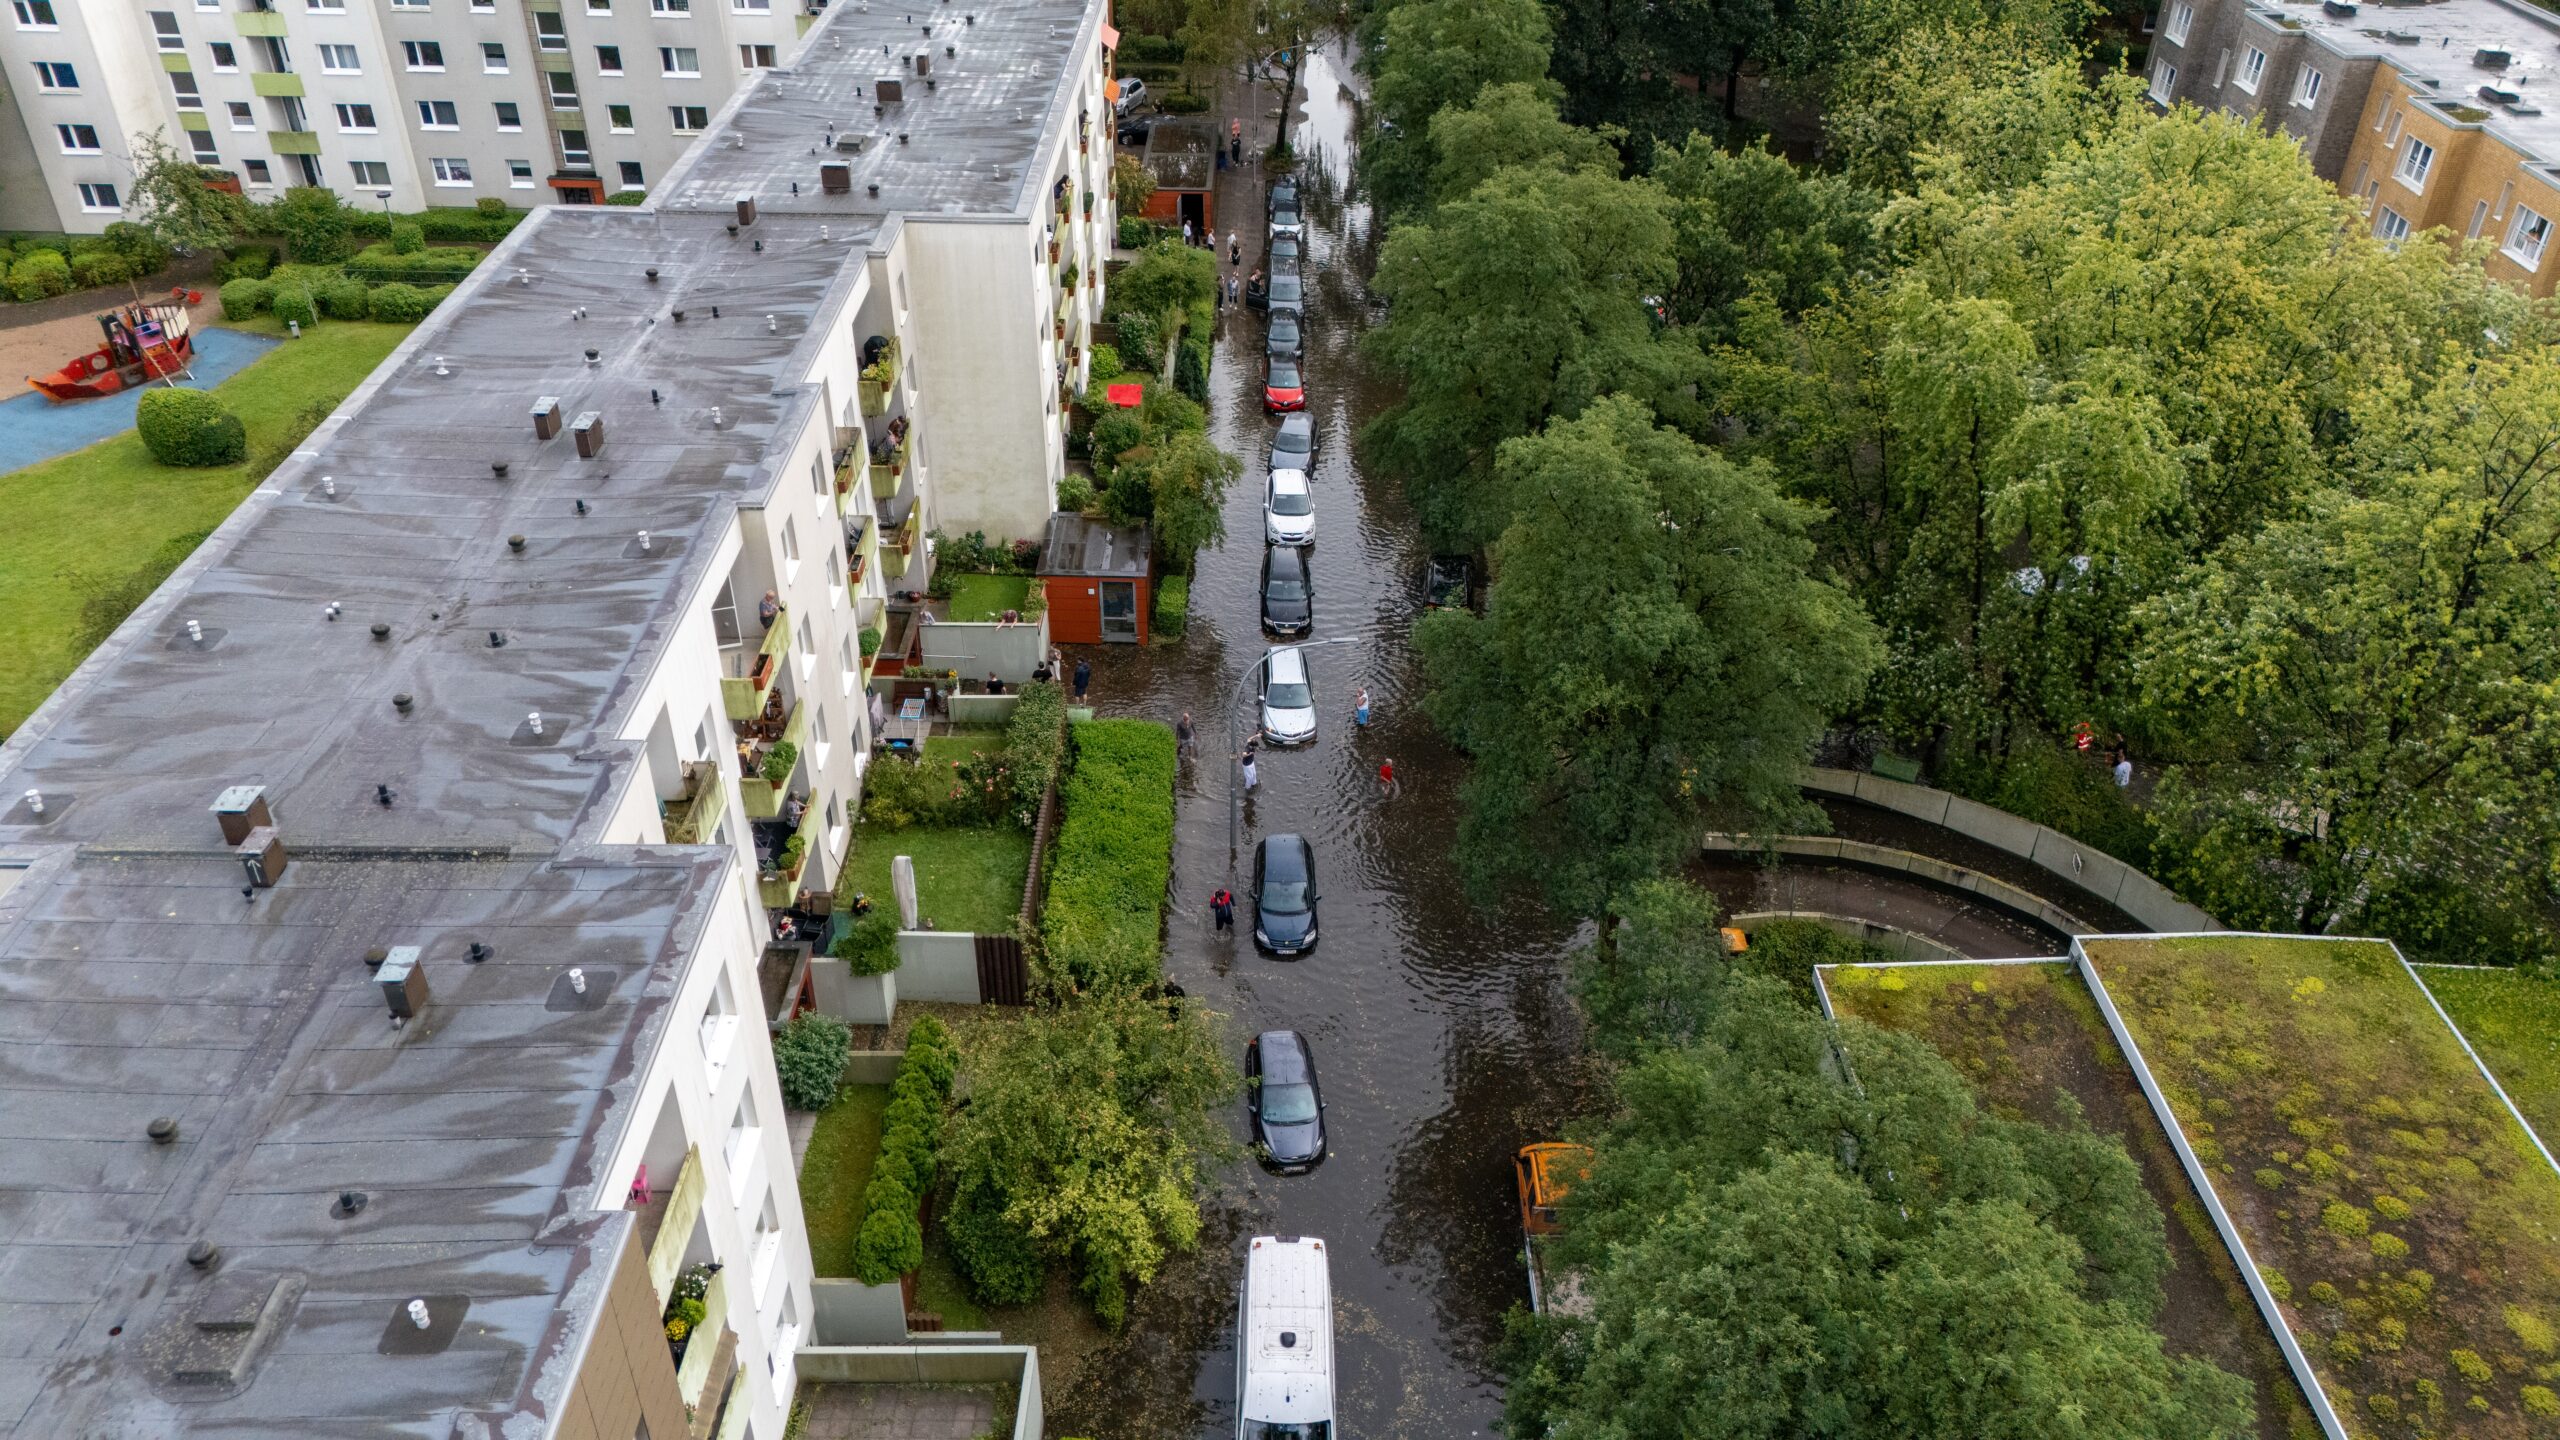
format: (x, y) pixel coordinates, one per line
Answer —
(1283, 259)
(1285, 296)
(1450, 578)
(1284, 340)
(1284, 895)
(1132, 132)
(1282, 1101)
(1288, 591)
(1293, 446)
(1284, 194)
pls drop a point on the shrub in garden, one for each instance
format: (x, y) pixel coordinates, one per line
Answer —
(1106, 362)
(1115, 435)
(809, 1055)
(407, 238)
(445, 227)
(1141, 339)
(293, 305)
(189, 428)
(626, 197)
(244, 297)
(1173, 606)
(399, 304)
(870, 945)
(39, 274)
(1191, 369)
(250, 262)
(313, 222)
(891, 1241)
(489, 207)
(1075, 493)
(101, 267)
(346, 298)
(141, 250)
(1002, 1263)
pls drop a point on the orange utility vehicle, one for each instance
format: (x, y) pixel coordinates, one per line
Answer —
(1544, 1172)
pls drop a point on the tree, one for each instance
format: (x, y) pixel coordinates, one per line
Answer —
(1438, 55)
(1656, 70)
(1659, 977)
(1131, 185)
(1654, 659)
(177, 202)
(1983, 110)
(1084, 1139)
(1748, 225)
(1177, 487)
(1266, 42)
(1519, 303)
(314, 224)
(1169, 276)
(1507, 125)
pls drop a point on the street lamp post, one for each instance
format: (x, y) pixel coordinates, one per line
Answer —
(1235, 799)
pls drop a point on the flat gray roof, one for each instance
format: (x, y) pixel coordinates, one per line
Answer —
(2438, 42)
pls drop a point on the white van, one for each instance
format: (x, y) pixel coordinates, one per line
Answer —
(1284, 1342)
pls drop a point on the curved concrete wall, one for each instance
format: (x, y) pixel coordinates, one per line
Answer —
(1907, 945)
(2093, 870)
(1885, 857)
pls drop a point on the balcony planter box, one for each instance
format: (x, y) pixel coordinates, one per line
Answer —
(1062, 329)
(1053, 252)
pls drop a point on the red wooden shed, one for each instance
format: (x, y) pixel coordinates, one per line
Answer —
(1096, 578)
(1182, 158)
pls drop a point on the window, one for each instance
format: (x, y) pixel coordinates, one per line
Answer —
(688, 118)
(807, 652)
(790, 548)
(719, 1026)
(373, 174)
(451, 171)
(99, 199)
(2253, 68)
(564, 89)
(679, 60)
(226, 60)
(422, 54)
(755, 57)
(242, 118)
(2391, 129)
(2181, 16)
(820, 741)
(258, 172)
(786, 1339)
(768, 1241)
(2526, 235)
(35, 15)
(609, 59)
(326, 7)
(78, 139)
(599, 7)
(408, 4)
(2479, 220)
(819, 486)
(340, 60)
(438, 115)
(851, 667)
(617, 118)
(573, 149)
(550, 32)
(189, 97)
(2391, 225)
(631, 175)
(837, 834)
(164, 28)
(54, 75)
(2164, 81)
(510, 116)
(2221, 67)
(2306, 87)
(752, 7)
(2416, 158)
(201, 142)
(670, 7)
(355, 119)
(520, 174)
(208, 4)
(493, 58)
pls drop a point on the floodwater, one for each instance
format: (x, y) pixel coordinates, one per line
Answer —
(1442, 1035)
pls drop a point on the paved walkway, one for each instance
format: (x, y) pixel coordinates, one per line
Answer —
(898, 1412)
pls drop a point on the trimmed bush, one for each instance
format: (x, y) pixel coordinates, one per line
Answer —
(407, 238)
(445, 227)
(1173, 606)
(141, 250)
(313, 222)
(100, 267)
(245, 297)
(1191, 369)
(1035, 739)
(1106, 364)
(250, 263)
(190, 428)
(1141, 341)
(870, 946)
(808, 1055)
(891, 1241)
(39, 274)
(399, 304)
(1075, 493)
(1002, 1263)
(1104, 920)
(490, 207)
(626, 197)
(346, 298)
(293, 305)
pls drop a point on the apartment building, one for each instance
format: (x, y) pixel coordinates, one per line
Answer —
(408, 103)
(2431, 114)
(400, 1092)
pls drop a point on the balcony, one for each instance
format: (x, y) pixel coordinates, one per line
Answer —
(777, 884)
(878, 379)
(742, 696)
(276, 84)
(710, 1363)
(898, 516)
(889, 458)
(259, 24)
(666, 1223)
(763, 797)
(294, 142)
(857, 528)
(692, 816)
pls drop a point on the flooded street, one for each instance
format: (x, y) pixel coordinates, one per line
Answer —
(1442, 1035)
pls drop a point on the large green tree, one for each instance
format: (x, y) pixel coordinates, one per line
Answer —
(1748, 226)
(1654, 658)
(1513, 124)
(1437, 55)
(176, 204)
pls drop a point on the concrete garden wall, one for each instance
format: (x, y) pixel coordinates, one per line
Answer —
(854, 999)
(976, 647)
(848, 1312)
(1015, 1365)
(938, 965)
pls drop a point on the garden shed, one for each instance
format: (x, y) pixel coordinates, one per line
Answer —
(1182, 158)
(1096, 578)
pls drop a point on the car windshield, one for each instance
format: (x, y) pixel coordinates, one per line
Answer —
(1293, 502)
(1284, 215)
(1284, 287)
(1289, 444)
(1284, 897)
(1288, 1104)
(1289, 695)
(1270, 1430)
(1285, 249)
(1284, 377)
(1285, 587)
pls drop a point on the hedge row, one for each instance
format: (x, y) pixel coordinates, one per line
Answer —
(1173, 606)
(1035, 739)
(891, 1240)
(1103, 924)
(304, 300)
(36, 267)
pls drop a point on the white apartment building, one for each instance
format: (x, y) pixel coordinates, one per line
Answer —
(411, 103)
(456, 1009)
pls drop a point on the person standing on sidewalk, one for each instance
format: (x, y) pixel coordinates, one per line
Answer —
(1183, 743)
(1084, 678)
(1252, 776)
(1235, 139)
(1235, 249)
(1223, 906)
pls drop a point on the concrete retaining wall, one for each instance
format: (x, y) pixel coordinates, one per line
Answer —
(974, 648)
(854, 999)
(938, 965)
(1904, 944)
(2093, 870)
(848, 1312)
(1883, 857)
(983, 709)
(1015, 1365)
(872, 1067)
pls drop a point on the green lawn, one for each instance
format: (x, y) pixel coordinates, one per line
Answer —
(836, 1169)
(966, 879)
(940, 1289)
(961, 744)
(92, 533)
(2513, 1020)
(984, 597)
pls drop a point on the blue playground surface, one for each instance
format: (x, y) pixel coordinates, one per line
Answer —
(33, 428)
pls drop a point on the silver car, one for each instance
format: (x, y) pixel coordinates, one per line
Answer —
(1288, 508)
(1288, 698)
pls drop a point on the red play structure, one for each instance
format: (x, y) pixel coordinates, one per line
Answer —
(143, 343)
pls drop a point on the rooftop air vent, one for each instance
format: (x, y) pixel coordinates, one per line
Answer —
(588, 431)
(890, 92)
(835, 177)
(261, 856)
(924, 62)
(2522, 109)
(546, 417)
(2401, 37)
(2492, 59)
(747, 209)
(403, 982)
(241, 809)
(2496, 96)
(2339, 9)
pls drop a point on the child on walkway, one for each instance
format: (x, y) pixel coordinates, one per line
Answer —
(1252, 777)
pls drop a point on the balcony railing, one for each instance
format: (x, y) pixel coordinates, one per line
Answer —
(675, 1227)
(742, 696)
(708, 1355)
(878, 379)
(888, 462)
(763, 798)
(692, 816)
(778, 888)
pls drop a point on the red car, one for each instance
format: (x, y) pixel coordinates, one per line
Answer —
(1282, 389)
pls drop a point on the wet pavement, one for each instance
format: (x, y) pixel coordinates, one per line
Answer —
(1443, 1036)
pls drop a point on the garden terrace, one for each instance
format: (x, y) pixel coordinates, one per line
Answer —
(2405, 1223)
(2024, 1035)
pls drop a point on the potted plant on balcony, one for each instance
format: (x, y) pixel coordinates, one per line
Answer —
(1068, 279)
(1088, 204)
(778, 762)
(871, 638)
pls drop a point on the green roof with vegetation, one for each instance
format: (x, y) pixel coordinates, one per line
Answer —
(2512, 1019)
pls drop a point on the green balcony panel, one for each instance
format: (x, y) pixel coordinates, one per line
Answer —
(294, 142)
(742, 697)
(176, 62)
(277, 86)
(877, 381)
(195, 120)
(262, 23)
(692, 816)
(763, 799)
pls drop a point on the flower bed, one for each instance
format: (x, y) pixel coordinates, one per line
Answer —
(2401, 1217)
(1103, 923)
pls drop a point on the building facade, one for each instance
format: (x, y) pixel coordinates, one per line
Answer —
(409, 103)
(2432, 115)
(455, 1009)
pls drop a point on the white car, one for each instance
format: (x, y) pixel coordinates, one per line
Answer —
(1284, 1341)
(1133, 93)
(1288, 698)
(1288, 509)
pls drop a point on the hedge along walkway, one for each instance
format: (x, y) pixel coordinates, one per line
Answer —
(92, 533)
(2405, 1221)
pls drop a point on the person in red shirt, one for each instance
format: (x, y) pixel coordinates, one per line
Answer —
(1386, 779)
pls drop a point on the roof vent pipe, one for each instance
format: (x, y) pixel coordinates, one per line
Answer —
(577, 979)
(418, 1314)
(533, 721)
(644, 542)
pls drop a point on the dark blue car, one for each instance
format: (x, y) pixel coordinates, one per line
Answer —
(1284, 895)
(1282, 1101)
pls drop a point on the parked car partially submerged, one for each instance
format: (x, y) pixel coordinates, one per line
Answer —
(1446, 585)
(1283, 1102)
